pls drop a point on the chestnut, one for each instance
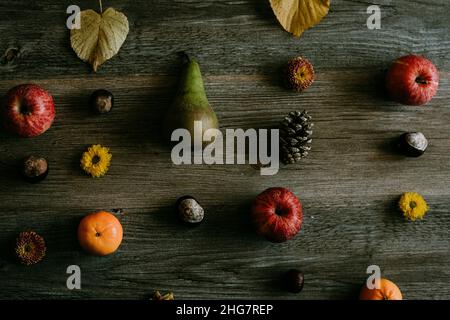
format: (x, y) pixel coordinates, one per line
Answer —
(34, 169)
(189, 210)
(293, 281)
(413, 144)
(30, 248)
(101, 101)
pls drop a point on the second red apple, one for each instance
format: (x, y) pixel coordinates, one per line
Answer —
(27, 111)
(277, 214)
(412, 80)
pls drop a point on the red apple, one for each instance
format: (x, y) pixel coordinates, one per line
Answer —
(277, 214)
(412, 80)
(28, 110)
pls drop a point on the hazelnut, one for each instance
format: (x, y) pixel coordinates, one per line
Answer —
(101, 101)
(189, 210)
(35, 169)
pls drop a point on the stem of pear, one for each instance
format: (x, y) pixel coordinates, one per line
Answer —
(184, 55)
(101, 6)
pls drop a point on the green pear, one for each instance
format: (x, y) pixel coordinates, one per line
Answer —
(190, 105)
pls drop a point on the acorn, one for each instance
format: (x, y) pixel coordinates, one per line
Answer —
(101, 101)
(189, 210)
(34, 169)
(298, 74)
(413, 144)
(294, 280)
(30, 248)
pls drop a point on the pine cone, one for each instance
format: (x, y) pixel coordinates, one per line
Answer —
(295, 136)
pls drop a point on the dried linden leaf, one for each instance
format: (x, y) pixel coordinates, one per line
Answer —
(100, 36)
(297, 16)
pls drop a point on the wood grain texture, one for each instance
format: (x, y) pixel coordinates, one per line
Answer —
(349, 185)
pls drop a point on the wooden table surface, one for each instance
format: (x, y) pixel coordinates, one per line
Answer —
(349, 185)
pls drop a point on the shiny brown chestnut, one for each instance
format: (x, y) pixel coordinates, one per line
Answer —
(413, 144)
(34, 169)
(101, 101)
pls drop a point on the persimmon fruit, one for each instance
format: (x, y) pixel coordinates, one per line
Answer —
(100, 233)
(387, 291)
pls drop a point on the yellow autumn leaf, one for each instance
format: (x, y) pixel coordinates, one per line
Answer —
(296, 16)
(100, 37)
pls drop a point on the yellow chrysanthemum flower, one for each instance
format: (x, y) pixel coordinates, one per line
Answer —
(96, 160)
(413, 206)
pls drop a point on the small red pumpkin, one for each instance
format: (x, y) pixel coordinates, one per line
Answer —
(387, 291)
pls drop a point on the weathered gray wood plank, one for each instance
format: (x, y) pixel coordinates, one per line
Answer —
(229, 37)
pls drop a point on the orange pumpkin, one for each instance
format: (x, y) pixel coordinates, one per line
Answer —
(387, 291)
(100, 233)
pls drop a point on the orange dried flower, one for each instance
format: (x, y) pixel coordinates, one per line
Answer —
(299, 74)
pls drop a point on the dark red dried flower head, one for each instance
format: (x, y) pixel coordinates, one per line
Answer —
(299, 74)
(30, 248)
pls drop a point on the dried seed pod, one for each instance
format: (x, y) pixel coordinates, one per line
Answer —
(295, 136)
(189, 210)
(34, 169)
(160, 297)
(413, 144)
(294, 280)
